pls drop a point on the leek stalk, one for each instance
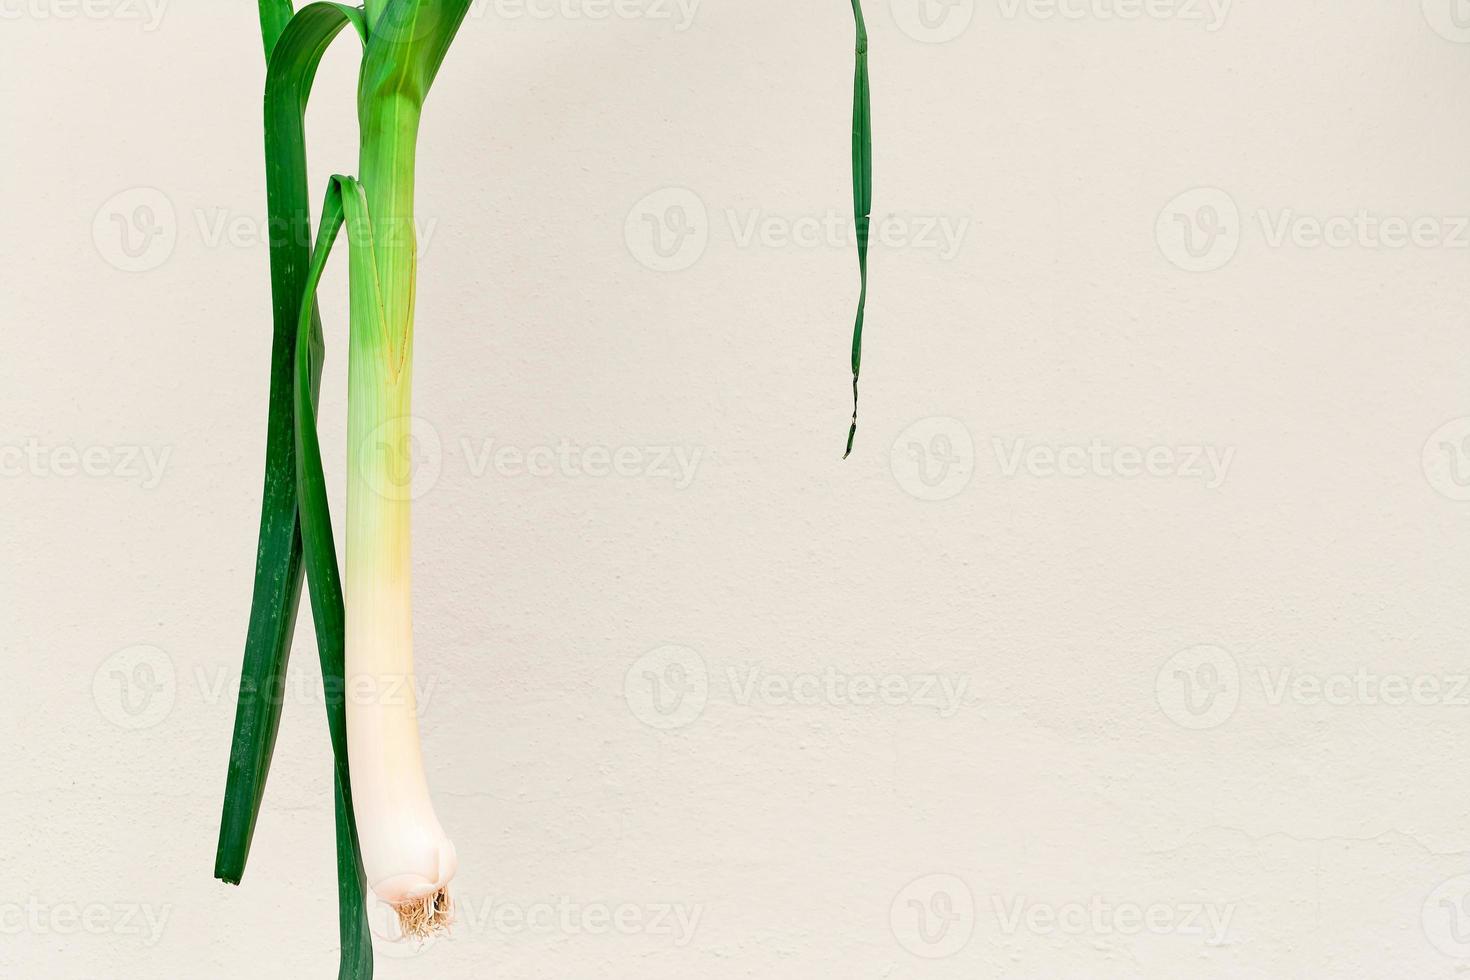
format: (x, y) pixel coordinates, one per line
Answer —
(389, 839)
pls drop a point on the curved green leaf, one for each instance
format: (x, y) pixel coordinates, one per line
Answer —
(278, 564)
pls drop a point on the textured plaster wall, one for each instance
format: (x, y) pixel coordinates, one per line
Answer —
(1131, 642)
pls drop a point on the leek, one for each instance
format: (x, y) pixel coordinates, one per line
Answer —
(389, 839)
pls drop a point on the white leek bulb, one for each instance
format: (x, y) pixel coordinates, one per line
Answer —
(406, 855)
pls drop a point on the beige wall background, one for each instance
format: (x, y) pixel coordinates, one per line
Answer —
(1131, 642)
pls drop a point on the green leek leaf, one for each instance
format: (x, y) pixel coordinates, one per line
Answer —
(278, 568)
(324, 583)
(274, 16)
(862, 197)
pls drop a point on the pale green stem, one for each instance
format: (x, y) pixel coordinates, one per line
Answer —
(390, 135)
(405, 853)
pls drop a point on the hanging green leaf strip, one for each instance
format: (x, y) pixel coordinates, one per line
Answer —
(862, 197)
(324, 582)
(274, 16)
(355, 960)
(278, 566)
